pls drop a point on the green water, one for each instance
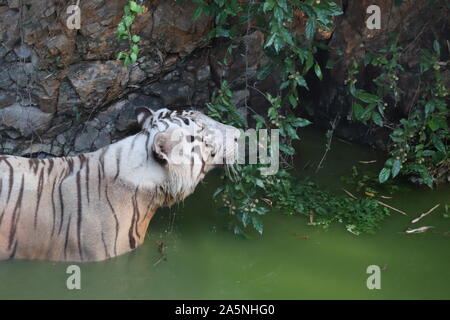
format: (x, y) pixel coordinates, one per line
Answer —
(206, 261)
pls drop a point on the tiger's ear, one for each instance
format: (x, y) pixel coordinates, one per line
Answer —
(168, 146)
(142, 114)
(160, 148)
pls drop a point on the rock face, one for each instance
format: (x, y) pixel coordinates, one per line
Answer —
(63, 92)
(25, 120)
(98, 82)
(62, 89)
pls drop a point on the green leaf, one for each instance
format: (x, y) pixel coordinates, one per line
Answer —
(367, 97)
(245, 219)
(302, 82)
(293, 101)
(440, 146)
(133, 57)
(134, 7)
(121, 55)
(377, 119)
(300, 123)
(358, 111)
(429, 107)
(128, 20)
(309, 62)
(318, 71)
(437, 47)
(384, 175)
(257, 223)
(127, 61)
(268, 5)
(333, 8)
(433, 124)
(310, 28)
(367, 114)
(197, 13)
(396, 168)
(291, 131)
(260, 183)
(389, 163)
(136, 39)
(121, 28)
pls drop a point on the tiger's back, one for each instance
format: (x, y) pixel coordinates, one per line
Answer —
(54, 209)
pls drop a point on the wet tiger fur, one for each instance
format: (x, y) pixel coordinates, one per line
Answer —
(98, 205)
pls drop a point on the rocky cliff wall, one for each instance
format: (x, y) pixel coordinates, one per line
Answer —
(63, 92)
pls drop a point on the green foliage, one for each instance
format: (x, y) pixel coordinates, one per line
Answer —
(249, 198)
(292, 57)
(322, 207)
(246, 195)
(418, 142)
(244, 184)
(370, 106)
(131, 11)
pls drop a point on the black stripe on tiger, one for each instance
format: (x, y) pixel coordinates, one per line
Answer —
(61, 198)
(66, 240)
(39, 195)
(53, 207)
(16, 214)
(131, 230)
(79, 218)
(118, 156)
(115, 219)
(13, 253)
(87, 181)
(34, 164)
(51, 165)
(11, 176)
(105, 246)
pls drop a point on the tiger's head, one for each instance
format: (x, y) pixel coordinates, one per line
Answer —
(186, 145)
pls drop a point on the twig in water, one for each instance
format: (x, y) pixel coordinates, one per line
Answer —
(419, 230)
(367, 162)
(425, 213)
(348, 193)
(392, 208)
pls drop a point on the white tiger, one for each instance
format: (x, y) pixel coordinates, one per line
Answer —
(98, 205)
